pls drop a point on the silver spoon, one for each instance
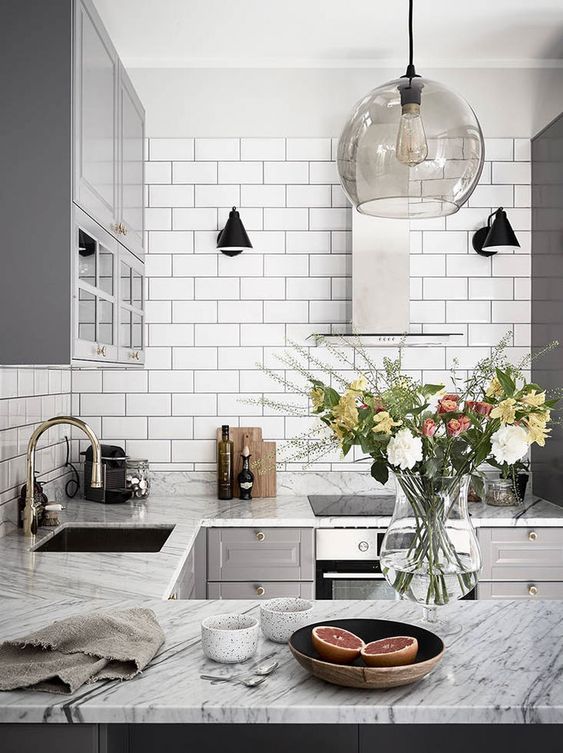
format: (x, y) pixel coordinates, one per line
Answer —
(262, 670)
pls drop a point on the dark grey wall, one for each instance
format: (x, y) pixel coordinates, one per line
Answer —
(35, 180)
(547, 293)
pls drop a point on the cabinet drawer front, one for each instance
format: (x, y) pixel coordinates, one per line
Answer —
(527, 590)
(258, 590)
(260, 554)
(522, 553)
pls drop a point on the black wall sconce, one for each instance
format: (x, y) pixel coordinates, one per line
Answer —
(233, 239)
(495, 237)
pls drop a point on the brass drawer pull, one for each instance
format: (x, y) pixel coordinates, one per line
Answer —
(134, 354)
(173, 597)
(532, 536)
(260, 536)
(260, 590)
(533, 590)
(101, 351)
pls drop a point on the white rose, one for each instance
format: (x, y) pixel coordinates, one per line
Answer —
(404, 449)
(509, 444)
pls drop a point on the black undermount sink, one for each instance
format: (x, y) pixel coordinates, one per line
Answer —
(108, 539)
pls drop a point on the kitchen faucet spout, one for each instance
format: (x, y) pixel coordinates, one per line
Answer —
(30, 514)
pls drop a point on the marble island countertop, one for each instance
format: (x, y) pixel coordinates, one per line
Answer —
(504, 668)
(153, 575)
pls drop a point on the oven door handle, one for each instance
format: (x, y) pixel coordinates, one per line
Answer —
(352, 576)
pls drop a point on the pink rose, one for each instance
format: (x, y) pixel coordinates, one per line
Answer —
(429, 427)
(448, 404)
(479, 407)
(457, 426)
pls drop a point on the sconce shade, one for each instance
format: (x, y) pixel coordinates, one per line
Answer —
(495, 237)
(233, 238)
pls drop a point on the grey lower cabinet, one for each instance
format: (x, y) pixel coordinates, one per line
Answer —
(521, 563)
(249, 563)
(278, 738)
(72, 220)
(191, 582)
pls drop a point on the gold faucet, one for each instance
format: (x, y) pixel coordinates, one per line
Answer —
(31, 509)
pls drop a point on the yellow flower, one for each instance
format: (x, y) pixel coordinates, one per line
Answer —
(494, 388)
(505, 411)
(534, 399)
(340, 431)
(383, 423)
(536, 425)
(359, 384)
(346, 412)
(317, 396)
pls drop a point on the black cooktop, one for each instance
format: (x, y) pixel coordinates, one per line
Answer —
(351, 505)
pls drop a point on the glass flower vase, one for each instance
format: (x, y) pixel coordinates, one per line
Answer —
(430, 553)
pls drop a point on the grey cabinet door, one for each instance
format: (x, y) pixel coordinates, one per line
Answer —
(261, 590)
(522, 553)
(516, 590)
(96, 78)
(64, 738)
(131, 166)
(269, 554)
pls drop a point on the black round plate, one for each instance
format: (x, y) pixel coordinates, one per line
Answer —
(429, 644)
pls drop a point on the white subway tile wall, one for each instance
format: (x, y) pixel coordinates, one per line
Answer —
(211, 319)
(27, 397)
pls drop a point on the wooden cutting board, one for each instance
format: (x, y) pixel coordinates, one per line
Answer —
(262, 461)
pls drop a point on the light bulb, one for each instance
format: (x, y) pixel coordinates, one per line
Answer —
(411, 148)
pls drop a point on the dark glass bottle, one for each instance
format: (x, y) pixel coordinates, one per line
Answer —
(225, 465)
(245, 477)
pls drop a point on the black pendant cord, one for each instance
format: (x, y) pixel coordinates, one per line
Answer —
(411, 73)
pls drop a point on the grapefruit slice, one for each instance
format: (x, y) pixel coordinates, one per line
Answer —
(390, 652)
(336, 645)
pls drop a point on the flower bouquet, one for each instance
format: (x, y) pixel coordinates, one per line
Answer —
(433, 441)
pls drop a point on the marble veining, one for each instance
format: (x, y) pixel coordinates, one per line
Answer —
(504, 668)
(114, 574)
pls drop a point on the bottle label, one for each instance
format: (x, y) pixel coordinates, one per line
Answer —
(246, 485)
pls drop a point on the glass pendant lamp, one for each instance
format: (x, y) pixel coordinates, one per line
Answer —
(412, 148)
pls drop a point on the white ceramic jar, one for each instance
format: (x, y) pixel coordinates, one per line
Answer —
(280, 618)
(229, 638)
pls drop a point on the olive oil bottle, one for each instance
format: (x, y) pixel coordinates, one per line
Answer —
(225, 465)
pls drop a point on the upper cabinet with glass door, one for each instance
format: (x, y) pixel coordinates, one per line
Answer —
(109, 135)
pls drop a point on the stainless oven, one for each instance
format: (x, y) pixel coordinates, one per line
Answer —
(347, 564)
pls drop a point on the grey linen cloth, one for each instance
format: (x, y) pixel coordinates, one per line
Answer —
(84, 648)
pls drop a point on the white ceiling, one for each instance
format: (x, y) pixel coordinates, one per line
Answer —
(334, 33)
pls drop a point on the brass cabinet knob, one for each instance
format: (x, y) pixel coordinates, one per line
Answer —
(260, 536)
(123, 228)
(260, 590)
(533, 590)
(115, 227)
(532, 536)
(101, 351)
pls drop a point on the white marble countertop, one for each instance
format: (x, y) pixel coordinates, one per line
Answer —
(121, 575)
(504, 668)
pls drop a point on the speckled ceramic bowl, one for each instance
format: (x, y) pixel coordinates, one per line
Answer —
(280, 618)
(229, 638)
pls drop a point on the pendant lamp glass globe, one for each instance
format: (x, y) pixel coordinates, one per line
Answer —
(410, 160)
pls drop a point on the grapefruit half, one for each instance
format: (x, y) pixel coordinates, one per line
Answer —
(336, 645)
(390, 652)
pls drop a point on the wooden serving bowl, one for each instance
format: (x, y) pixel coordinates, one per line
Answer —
(357, 674)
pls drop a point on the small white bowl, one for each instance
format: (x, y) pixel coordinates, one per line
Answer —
(280, 618)
(229, 638)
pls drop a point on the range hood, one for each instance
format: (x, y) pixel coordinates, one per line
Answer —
(381, 288)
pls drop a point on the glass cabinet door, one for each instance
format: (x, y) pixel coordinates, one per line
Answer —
(95, 292)
(131, 316)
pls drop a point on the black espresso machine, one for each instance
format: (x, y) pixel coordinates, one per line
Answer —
(114, 471)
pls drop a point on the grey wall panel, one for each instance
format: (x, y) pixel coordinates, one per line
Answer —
(35, 186)
(547, 294)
